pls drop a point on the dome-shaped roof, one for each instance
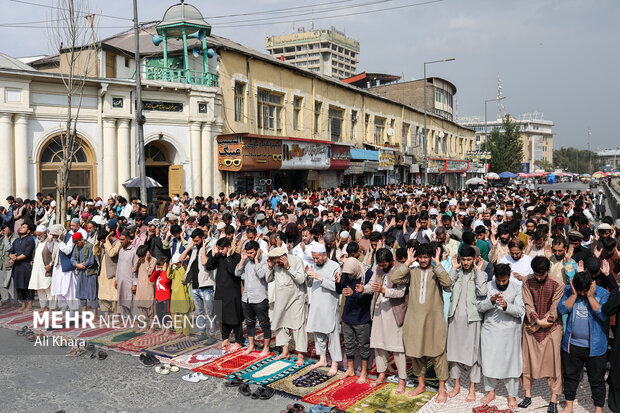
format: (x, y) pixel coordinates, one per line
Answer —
(8, 62)
(183, 13)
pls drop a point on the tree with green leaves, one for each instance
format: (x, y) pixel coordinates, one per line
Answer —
(506, 146)
(580, 161)
(544, 164)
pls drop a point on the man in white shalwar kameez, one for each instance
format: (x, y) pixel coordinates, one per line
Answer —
(290, 311)
(40, 279)
(500, 336)
(63, 273)
(324, 312)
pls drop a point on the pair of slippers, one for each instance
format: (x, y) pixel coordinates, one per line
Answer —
(148, 360)
(101, 355)
(262, 392)
(166, 369)
(195, 377)
(294, 408)
(28, 333)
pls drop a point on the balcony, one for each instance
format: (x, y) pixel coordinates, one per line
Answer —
(179, 75)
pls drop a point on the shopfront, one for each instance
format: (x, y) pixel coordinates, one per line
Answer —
(450, 172)
(261, 163)
(363, 168)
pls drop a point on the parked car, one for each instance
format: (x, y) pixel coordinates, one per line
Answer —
(594, 183)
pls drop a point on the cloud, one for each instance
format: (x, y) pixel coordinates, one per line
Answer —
(463, 23)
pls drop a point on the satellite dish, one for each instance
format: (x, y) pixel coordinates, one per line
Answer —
(390, 132)
(441, 134)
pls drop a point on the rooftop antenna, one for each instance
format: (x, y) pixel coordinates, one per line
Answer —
(312, 22)
(500, 106)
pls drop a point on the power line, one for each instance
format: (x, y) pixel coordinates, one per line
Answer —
(64, 9)
(276, 10)
(338, 15)
(311, 12)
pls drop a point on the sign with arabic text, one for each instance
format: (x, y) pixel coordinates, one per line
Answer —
(162, 106)
(305, 155)
(456, 166)
(387, 160)
(247, 153)
(341, 157)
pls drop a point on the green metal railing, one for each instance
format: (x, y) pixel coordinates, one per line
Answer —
(180, 75)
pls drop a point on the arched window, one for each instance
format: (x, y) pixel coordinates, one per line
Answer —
(81, 178)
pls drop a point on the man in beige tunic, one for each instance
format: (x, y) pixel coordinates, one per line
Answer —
(542, 332)
(290, 311)
(425, 330)
(108, 250)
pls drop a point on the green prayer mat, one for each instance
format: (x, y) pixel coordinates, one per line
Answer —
(116, 337)
(303, 382)
(386, 400)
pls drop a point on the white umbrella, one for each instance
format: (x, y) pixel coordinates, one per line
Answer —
(135, 183)
(491, 175)
(475, 181)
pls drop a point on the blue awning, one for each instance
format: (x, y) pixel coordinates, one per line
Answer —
(364, 155)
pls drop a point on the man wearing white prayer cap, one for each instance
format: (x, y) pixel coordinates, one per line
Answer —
(290, 310)
(324, 312)
(41, 278)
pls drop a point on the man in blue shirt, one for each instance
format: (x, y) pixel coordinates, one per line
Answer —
(585, 338)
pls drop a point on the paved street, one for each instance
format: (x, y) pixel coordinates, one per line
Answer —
(44, 380)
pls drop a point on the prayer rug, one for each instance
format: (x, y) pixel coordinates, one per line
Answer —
(137, 344)
(9, 314)
(268, 370)
(91, 333)
(303, 382)
(176, 347)
(18, 322)
(200, 358)
(114, 338)
(230, 363)
(71, 331)
(343, 393)
(386, 400)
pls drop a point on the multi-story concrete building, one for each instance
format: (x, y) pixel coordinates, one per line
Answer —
(439, 95)
(328, 52)
(536, 133)
(610, 158)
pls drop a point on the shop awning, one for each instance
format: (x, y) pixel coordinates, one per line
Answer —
(364, 155)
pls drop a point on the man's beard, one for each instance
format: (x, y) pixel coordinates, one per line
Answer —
(502, 287)
(530, 232)
(543, 281)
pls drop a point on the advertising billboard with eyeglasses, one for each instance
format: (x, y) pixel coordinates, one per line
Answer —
(242, 152)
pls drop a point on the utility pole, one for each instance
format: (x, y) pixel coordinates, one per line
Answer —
(139, 118)
(589, 153)
(91, 21)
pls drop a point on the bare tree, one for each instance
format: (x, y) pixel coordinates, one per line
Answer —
(70, 28)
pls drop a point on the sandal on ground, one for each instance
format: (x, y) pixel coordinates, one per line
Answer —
(233, 383)
(296, 408)
(244, 389)
(174, 368)
(102, 355)
(162, 370)
(266, 393)
(23, 331)
(195, 377)
(72, 353)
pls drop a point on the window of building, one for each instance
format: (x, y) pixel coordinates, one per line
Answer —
(353, 123)
(82, 176)
(334, 124)
(269, 110)
(239, 102)
(379, 130)
(405, 134)
(437, 94)
(317, 116)
(297, 105)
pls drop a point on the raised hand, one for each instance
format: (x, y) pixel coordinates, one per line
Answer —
(244, 254)
(410, 256)
(569, 253)
(580, 266)
(548, 252)
(605, 267)
(358, 288)
(478, 263)
(455, 263)
(572, 287)
(437, 257)
(592, 289)
(597, 252)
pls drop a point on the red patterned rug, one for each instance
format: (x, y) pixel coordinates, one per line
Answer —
(8, 314)
(137, 344)
(18, 322)
(95, 332)
(343, 393)
(199, 358)
(230, 363)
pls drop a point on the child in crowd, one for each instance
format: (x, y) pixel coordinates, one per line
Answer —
(145, 291)
(180, 305)
(162, 293)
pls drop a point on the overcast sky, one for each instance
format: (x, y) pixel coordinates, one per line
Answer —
(560, 57)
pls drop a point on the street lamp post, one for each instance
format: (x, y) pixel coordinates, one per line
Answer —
(425, 134)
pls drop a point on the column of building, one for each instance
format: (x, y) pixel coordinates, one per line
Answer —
(110, 171)
(124, 159)
(207, 166)
(6, 156)
(195, 158)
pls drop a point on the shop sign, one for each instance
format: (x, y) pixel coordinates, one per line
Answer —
(387, 160)
(415, 168)
(456, 166)
(371, 166)
(407, 160)
(341, 157)
(476, 168)
(436, 166)
(243, 153)
(355, 168)
(305, 155)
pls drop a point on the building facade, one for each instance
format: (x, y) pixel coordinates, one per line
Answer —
(328, 52)
(439, 95)
(610, 158)
(536, 134)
